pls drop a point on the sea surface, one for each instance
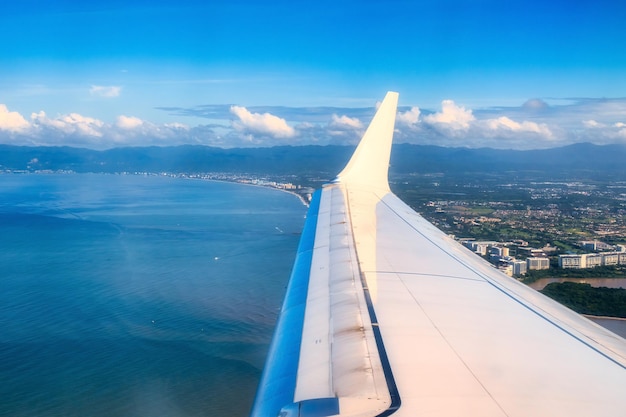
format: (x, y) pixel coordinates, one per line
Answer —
(127, 295)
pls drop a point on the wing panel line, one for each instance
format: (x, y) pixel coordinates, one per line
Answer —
(425, 274)
(443, 337)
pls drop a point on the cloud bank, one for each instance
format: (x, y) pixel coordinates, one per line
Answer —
(531, 125)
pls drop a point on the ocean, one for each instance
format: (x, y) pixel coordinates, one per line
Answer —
(129, 295)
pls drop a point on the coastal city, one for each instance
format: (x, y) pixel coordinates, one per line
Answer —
(280, 208)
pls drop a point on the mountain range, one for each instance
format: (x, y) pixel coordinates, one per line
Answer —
(605, 160)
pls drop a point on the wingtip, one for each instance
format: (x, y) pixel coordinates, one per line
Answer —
(392, 93)
(369, 163)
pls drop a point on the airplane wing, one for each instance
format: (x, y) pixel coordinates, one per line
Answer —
(385, 314)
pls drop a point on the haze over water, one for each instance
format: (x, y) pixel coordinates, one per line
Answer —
(138, 296)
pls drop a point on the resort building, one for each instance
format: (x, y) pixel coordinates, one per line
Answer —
(591, 260)
(519, 267)
(610, 259)
(537, 263)
(572, 261)
(479, 247)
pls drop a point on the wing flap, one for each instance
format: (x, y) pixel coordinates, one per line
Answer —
(338, 336)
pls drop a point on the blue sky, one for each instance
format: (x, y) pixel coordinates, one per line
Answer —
(507, 74)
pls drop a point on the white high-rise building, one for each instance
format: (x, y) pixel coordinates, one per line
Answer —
(538, 263)
(519, 267)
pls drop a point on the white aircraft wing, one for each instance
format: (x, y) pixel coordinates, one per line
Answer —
(385, 314)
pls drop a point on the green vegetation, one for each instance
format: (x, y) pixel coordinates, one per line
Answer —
(566, 247)
(481, 211)
(585, 299)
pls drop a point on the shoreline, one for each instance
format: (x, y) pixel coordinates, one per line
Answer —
(247, 181)
(302, 199)
(218, 177)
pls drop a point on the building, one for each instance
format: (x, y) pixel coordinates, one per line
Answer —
(520, 267)
(589, 245)
(536, 263)
(594, 259)
(610, 258)
(478, 247)
(572, 261)
(506, 269)
(532, 252)
(591, 260)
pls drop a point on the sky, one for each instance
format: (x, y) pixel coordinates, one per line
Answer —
(241, 73)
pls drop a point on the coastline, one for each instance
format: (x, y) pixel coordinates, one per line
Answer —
(302, 199)
(251, 181)
(303, 196)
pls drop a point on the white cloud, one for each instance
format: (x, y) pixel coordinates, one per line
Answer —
(451, 116)
(105, 91)
(128, 122)
(177, 125)
(346, 122)
(12, 120)
(70, 124)
(504, 123)
(592, 124)
(265, 124)
(409, 117)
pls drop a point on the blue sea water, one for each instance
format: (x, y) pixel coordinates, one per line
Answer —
(124, 295)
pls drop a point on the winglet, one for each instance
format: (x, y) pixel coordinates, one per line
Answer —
(369, 164)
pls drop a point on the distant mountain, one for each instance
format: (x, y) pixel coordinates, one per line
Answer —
(178, 159)
(609, 159)
(581, 158)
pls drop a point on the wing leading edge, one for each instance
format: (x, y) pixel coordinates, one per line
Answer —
(385, 314)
